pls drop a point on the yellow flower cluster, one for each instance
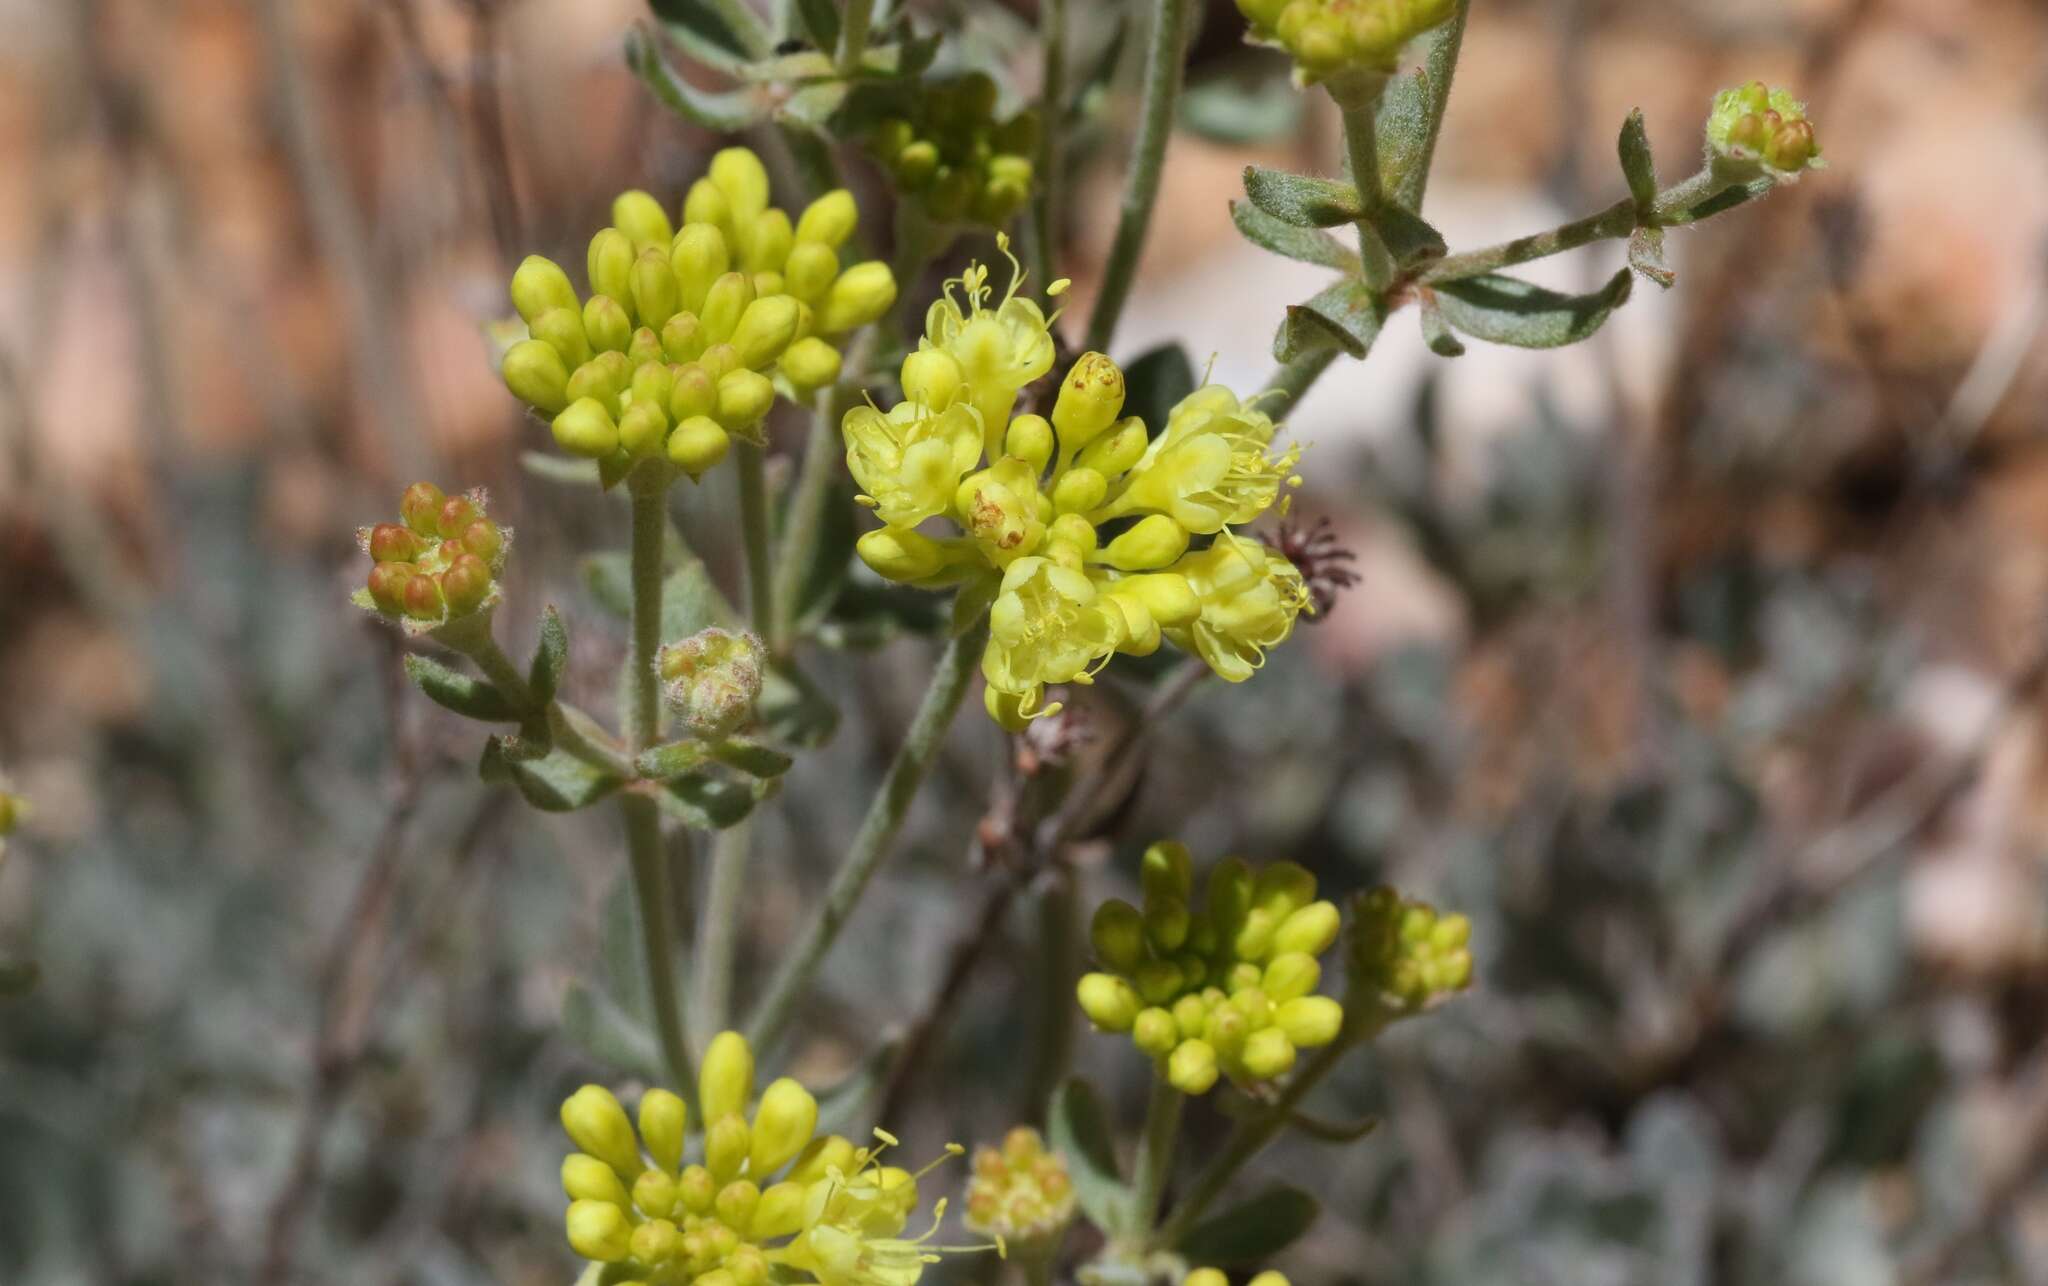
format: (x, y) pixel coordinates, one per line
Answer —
(948, 152)
(1329, 36)
(441, 562)
(1757, 125)
(1404, 954)
(669, 354)
(1020, 1192)
(766, 1200)
(1079, 526)
(1215, 1277)
(1229, 988)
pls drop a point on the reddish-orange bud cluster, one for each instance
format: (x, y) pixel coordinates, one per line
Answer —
(441, 561)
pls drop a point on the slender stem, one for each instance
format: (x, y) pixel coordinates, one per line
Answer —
(1617, 220)
(853, 33)
(1357, 98)
(1155, 1153)
(642, 718)
(748, 461)
(1295, 378)
(718, 943)
(812, 499)
(472, 637)
(1163, 65)
(1409, 176)
(1052, 113)
(877, 833)
(1059, 932)
(746, 25)
(1250, 1136)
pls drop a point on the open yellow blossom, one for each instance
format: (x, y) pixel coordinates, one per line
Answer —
(1250, 596)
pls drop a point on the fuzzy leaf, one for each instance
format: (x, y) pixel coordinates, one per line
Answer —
(820, 20)
(752, 758)
(707, 803)
(609, 1036)
(1719, 203)
(556, 782)
(1344, 316)
(1309, 245)
(813, 105)
(690, 602)
(1080, 1133)
(608, 577)
(469, 697)
(1636, 162)
(727, 112)
(700, 21)
(1301, 201)
(1156, 382)
(1242, 110)
(550, 656)
(1507, 310)
(1435, 332)
(1409, 238)
(660, 763)
(1258, 1229)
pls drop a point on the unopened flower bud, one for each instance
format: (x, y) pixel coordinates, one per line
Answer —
(606, 322)
(598, 1230)
(1281, 888)
(712, 680)
(537, 376)
(538, 285)
(744, 180)
(779, 1213)
(699, 256)
(656, 296)
(642, 219)
(726, 1141)
(1109, 1001)
(585, 1178)
(1207, 1276)
(1117, 933)
(466, 584)
(562, 329)
(765, 329)
(723, 304)
(861, 294)
(1079, 491)
(932, 377)
(1309, 929)
(423, 601)
(1167, 870)
(737, 1202)
(643, 429)
(1166, 922)
(809, 364)
(654, 1192)
(692, 391)
(663, 1117)
(1030, 439)
(1310, 1021)
(1191, 1068)
(391, 543)
(696, 1189)
(697, 444)
(597, 1124)
(1091, 396)
(708, 204)
(1267, 1053)
(829, 220)
(1113, 454)
(765, 242)
(744, 398)
(1291, 975)
(783, 1126)
(1155, 1032)
(387, 584)
(584, 428)
(901, 554)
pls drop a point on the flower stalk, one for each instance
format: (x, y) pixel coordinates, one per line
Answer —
(1164, 61)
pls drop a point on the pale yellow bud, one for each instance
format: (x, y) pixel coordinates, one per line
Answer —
(932, 376)
(725, 1081)
(782, 1126)
(1310, 929)
(765, 329)
(1109, 1001)
(829, 220)
(861, 294)
(697, 444)
(562, 329)
(1191, 1068)
(811, 269)
(1310, 1021)
(744, 180)
(539, 284)
(1113, 454)
(598, 1230)
(1155, 1032)
(535, 373)
(708, 204)
(765, 242)
(607, 324)
(698, 257)
(584, 428)
(610, 263)
(726, 1144)
(1030, 439)
(723, 304)
(821, 1158)
(655, 294)
(780, 1212)
(643, 428)
(809, 364)
(1090, 397)
(744, 398)
(585, 1178)
(1078, 491)
(901, 554)
(1153, 541)
(1267, 1053)
(641, 218)
(663, 1117)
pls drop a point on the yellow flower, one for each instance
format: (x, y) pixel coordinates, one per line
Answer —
(999, 349)
(1048, 625)
(910, 461)
(1249, 596)
(1021, 1191)
(853, 1222)
(1211, 468)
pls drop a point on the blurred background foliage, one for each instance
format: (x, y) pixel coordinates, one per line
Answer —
(1702, 666)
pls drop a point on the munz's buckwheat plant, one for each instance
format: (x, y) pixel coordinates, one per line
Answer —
(1069, 516)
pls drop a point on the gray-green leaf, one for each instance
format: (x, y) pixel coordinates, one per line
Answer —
(707, 803)
(1507, 310)
(1344, 316)
(556, 782)
(1301, 201)
(1637, 164)
(1259, 1229)
(727, 111)
(1080, 1133)
(1309, 245)
(752, 758)
(550, 657)
(470, 697)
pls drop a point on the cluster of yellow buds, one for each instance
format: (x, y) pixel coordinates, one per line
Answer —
(1756, 125)
(439, 563)
(1404, 954)
(1325, 37)
(712, 679)
(1020, 1192)
(954, 158)
(834, 1215)
(1080, 527)
(668, 354)
(1228, 988)
(1216, 1277)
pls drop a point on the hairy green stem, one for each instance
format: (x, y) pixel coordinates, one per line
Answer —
(853, 33)
(1246, 1141)
(718, 941)
(642, 719)
(481, 647)
(1163, 68)
(877, 833)
(1294, 378)
(1052, 113)
(749, 467)
(1357, 98)
(1617, 220)
(1155, 1154)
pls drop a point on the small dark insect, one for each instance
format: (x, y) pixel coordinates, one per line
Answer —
(793, 45)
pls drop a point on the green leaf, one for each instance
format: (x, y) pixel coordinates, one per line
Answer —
(1408, 237)
(1344, 316)
(1258, 1229)
(820, 19)
(690, 602)
(1407, 126)
(752, 758)
(550, 657)
(660, 763)
(1637, 165)
(727, 112)
(1435, 332)
(609, 579)
(1507, 310)
(1646, 256)
(1301, 201)
(1156, 382)
(813, 105)
(18, 978)
(1309, 245)
(556, 782)
(700, 21)
(793, 709)
(707, 803)
(469, 697)
(1080, 1133)
(602, 1031)
(1243, 109)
